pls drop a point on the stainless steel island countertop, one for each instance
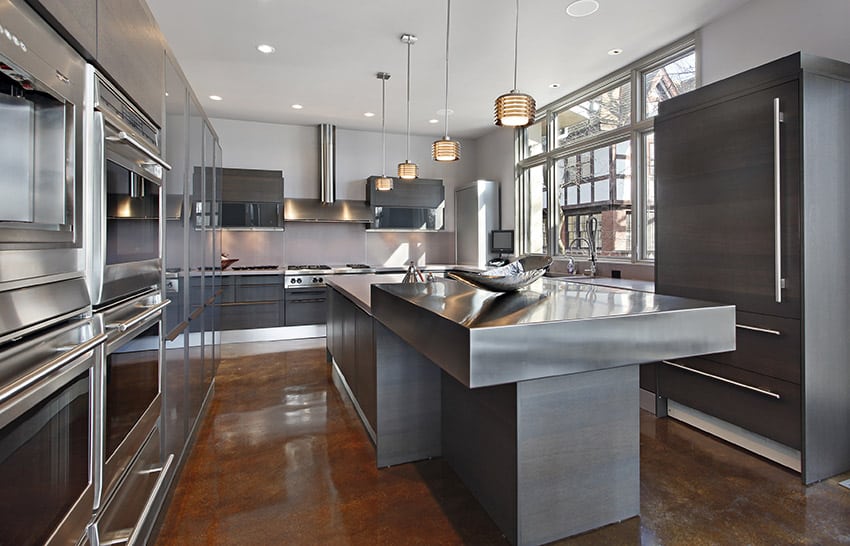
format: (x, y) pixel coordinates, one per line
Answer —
(553, 327)
(531, 396)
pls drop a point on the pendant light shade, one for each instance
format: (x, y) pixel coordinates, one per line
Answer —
(515, 109)
(446, 149)
(408, 170)
(383, 183)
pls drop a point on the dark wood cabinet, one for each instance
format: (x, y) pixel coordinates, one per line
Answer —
(350, 343)
(251, 301)
(76, 20)
(751, 175)
(131, 50)
(418, 193)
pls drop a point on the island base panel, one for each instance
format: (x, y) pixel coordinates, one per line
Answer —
(548, 458)
(408, 400)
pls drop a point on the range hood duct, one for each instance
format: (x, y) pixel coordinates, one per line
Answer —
(327, 162)
(328, 208)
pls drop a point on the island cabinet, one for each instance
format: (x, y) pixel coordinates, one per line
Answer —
(751, 201)
(530, 396)
(349, 341)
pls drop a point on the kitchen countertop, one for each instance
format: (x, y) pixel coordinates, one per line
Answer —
(628, 284)
(566, 322)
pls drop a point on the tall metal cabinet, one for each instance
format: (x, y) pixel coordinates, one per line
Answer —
(753, 183)
(192, 242)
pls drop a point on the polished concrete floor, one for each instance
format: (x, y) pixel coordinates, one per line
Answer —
(281, 458)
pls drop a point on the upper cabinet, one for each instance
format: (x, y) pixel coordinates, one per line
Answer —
(121, 37)
(130, 48)
(76, 20)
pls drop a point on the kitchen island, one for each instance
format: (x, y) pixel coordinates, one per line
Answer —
(531, 396)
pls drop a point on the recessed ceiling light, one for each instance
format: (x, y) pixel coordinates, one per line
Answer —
(554, 85)
(369, 114)
(265, 48)
(582, 8)
(215, 97)
(297, 107)
(615, 51)
(444, 112)
(433, 121)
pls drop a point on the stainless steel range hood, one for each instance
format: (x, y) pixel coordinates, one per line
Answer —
(313, 210)
(328, 208)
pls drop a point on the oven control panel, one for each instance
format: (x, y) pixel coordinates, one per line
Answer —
(303, 281)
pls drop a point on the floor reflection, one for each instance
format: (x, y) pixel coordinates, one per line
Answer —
(283, 459)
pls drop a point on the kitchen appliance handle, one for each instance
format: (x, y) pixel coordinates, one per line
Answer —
(146, 511)
(50, 366)
(122, 136)
(311, 300)
(138, 319)
(777, 201)
(757, 329)
(724, 380)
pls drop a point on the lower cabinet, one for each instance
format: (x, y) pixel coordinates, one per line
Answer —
(350, 342)
(252, 301)
(762, 404)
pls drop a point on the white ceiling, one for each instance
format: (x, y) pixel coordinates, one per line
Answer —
(328, 52)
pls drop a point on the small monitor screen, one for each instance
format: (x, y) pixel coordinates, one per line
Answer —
(502, 241)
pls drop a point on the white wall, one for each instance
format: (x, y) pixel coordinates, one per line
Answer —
(763, 30)
(295, 150)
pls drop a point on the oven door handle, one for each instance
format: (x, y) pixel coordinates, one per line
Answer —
(122, 136)
(138, 319)
(51, 366)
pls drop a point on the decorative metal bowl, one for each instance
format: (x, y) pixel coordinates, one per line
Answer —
(533, 267)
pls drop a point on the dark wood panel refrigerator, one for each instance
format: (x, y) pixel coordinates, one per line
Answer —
(752, 192)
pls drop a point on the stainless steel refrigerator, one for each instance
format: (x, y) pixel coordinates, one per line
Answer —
(477, 213)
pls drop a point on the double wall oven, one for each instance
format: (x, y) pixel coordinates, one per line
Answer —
(124, 172)
(51, 349)
(41, 182)
(123, 243)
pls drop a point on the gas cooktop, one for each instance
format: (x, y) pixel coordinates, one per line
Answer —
(254, 267)
(309, 267)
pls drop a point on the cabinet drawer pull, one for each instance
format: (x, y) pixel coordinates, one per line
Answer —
(756, 329)
(724, 380)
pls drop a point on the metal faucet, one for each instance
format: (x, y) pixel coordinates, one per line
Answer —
(413, 274)
(591, 226)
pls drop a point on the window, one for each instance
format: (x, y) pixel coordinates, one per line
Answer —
(671, 79)
(595, 149)
(607, 111)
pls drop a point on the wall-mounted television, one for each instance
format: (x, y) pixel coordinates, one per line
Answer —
(502, 241)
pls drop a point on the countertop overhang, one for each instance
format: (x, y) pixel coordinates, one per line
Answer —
(553, 327)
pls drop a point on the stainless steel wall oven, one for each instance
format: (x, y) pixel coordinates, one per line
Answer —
(48, 401)
(41, 103)
(124, 174)
(129, 387)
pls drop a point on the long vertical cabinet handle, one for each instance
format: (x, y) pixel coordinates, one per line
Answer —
(777, 203)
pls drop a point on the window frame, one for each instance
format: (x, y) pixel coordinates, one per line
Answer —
(634, 132)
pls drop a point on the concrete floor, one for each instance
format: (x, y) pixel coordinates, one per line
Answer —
(282, 458)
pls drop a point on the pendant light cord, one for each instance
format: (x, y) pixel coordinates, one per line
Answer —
(448, 22)
(383, 127)
(409, 43)
(516, 42)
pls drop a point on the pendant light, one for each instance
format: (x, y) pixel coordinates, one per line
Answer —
(446, 149)
(408, 170)
(515, 109)
(383, 183)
